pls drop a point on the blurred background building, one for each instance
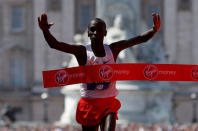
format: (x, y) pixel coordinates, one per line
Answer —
(24, 54)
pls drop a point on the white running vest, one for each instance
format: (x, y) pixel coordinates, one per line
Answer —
(101, 89)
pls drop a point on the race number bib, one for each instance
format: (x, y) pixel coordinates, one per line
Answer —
(98, 86)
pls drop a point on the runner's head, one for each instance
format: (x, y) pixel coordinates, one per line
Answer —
(97, 30)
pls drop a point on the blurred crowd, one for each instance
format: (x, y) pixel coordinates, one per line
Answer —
(129, 127)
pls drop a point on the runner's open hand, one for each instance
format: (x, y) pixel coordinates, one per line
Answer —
(43, 23)
(157, 22)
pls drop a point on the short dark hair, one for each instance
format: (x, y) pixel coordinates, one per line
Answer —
(98, 20)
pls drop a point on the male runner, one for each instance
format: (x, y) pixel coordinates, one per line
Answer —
(98, 106)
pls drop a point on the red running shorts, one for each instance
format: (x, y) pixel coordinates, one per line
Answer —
(90, 111)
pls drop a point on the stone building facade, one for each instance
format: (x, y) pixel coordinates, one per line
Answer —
(25, 53)
(180, 38)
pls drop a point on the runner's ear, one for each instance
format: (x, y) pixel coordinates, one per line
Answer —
(105, 33)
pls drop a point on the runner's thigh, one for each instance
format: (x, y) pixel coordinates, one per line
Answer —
(108, 123)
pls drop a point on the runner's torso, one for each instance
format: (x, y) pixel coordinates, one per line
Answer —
(100, 89)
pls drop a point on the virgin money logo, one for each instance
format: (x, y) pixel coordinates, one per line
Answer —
(61, 77)
(106, 72)
(195, 73)
(151, 72)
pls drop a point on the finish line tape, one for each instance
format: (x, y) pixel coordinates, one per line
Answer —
(120, 72)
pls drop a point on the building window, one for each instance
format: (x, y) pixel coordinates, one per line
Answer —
(85, 11)
(17, 18)
(184, 5)
(54, 5)
(18, 73)
(85, 16)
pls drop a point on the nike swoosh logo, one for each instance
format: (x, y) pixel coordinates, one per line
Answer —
(105, 62)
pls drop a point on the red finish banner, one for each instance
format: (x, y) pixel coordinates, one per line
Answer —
(111, 72)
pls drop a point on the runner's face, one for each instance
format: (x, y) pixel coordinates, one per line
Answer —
(96, 32)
